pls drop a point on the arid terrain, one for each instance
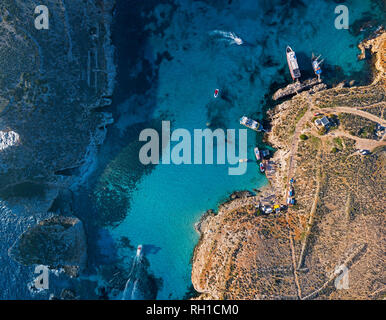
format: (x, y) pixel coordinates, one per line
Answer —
(330, 244)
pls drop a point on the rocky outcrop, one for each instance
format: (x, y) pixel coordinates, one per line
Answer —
(51, 84)
(377, 46)
(238, 256)
(56, 242)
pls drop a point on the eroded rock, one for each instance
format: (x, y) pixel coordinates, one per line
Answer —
(55, 242)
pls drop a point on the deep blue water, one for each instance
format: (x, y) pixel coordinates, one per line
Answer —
(170, 58)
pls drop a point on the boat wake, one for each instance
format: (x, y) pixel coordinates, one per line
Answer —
(131, 291)
(229, 37)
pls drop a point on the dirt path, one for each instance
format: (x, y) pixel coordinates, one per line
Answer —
(357, 112)
(361, 143)
(367, 144)
(310, 219)
(295, 142)
(296, 278)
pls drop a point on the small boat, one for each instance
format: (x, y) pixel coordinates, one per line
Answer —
(293, 63)
(262, 168)
(243, 160)
(216, 92)
(250, 123)
(257, 153)
(139, 250)
(316, 65)
(265, 153)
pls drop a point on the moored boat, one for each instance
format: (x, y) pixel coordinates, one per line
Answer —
(316, 66)
(293, 63)
(264, 153)
(262, 167)
(257, 153)
(250, 123)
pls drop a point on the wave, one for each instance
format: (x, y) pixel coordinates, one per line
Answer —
(131, 291)
(227, 36)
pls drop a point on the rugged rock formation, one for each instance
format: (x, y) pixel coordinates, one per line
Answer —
(56, 242)
(54, 85)
(377, 47)
(50, 82)
(240, 256)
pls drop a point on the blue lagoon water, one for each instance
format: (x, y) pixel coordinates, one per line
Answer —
(171, 56)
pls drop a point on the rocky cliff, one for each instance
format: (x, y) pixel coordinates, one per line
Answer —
(51, 83)
(54, 85)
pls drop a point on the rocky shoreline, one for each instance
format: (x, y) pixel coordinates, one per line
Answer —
(244, 255)
(56, 115)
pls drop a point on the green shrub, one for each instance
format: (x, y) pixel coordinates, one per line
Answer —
(338, 141)
(303, 137)
(322, 131)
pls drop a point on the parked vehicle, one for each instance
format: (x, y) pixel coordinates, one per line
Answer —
(364, 152)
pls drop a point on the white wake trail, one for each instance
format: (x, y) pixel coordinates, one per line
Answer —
(230, 37)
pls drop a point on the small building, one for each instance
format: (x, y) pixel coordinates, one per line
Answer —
(322, 122)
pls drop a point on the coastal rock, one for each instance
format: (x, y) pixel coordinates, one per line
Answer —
(55, 242)
(294, 88)
(237, 255)
(240, 194)
(376, 44)
(52, 88)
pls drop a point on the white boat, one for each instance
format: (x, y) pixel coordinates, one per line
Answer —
(262, 167)
(216, 92)
(293, 63)
(250, 123)
(257, 153)
(139, 250)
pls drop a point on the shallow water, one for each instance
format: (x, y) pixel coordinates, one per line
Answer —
(169, 72)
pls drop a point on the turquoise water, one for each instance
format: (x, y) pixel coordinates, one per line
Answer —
(182, 61)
